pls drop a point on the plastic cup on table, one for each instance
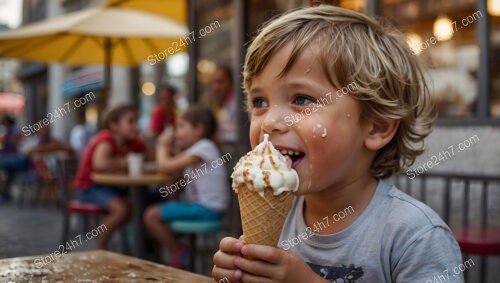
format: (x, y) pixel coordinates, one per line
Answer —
(135, 161)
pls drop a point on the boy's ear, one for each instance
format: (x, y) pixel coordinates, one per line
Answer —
(380, 133)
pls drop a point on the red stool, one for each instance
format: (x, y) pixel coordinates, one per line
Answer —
(79, 207)
(66, 169)
(480, 241)
(477, 240)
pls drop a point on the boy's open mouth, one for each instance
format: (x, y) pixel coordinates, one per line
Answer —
(295, 155)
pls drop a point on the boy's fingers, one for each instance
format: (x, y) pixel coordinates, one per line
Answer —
(255, 267)
(224, 260)
(250, 278)
(266, 253)
(220, 274)
(230, 245)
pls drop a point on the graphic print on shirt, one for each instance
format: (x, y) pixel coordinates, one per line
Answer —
(338, 274)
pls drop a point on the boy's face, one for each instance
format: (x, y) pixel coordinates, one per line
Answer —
(126, 126)
(328, 137)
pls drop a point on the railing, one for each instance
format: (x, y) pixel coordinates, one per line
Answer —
(489, 190)
(485, 183)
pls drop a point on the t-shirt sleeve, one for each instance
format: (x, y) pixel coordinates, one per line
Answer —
(431, 255)
(202, 149)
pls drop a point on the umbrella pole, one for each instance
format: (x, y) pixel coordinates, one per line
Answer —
(107, 74)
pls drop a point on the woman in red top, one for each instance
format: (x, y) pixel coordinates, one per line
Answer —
(163, 113)
(106, 152)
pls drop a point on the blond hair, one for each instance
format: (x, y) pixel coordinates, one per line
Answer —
(354, 48)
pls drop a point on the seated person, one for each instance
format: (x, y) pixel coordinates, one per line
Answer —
(35, 144)
(106, 152)
(206, 188)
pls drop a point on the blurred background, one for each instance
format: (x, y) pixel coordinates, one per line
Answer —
(458, 40)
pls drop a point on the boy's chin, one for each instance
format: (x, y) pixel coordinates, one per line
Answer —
(304, 189)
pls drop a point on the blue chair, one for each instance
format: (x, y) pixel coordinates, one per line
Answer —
(194, 228)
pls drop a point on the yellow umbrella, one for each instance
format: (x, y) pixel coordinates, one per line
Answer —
(106, 34)
(175, 10)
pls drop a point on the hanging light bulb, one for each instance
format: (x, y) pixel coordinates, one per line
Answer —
(148, 88)
(494, 7)
(443, 28)
(414, 42)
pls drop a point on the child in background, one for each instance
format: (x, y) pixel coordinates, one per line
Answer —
(348, 98)
(106, 152)
(206, 184)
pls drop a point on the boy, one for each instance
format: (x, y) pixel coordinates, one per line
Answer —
(106, 152)
(347, 138)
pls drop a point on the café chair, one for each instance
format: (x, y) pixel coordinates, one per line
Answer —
(66, 169)
(477, 238)
(206, 229)
(209, 231)
(480, 238)
(29, 183)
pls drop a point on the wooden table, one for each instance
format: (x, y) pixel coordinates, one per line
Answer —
(138, 187)
(91, 266)
(123, 179)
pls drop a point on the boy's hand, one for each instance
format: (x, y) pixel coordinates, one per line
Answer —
(270, 264)
(224, 268)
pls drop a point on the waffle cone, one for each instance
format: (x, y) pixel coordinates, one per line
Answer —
(262, 218)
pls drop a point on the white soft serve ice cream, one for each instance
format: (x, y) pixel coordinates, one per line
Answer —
(265, 167)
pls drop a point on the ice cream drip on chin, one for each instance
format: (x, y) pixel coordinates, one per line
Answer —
(265, 167)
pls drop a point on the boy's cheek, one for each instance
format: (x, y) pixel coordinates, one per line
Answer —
(315, 129)
(255, 131)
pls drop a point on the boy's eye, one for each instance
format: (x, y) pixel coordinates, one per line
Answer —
(303, 100)
(259, 103)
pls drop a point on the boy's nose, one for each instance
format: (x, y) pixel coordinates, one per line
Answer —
(274, 122)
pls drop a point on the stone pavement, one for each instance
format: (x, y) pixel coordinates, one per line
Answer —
(37, 230)
(28, 231)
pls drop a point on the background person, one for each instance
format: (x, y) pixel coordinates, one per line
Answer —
(29, 149)
(163, 114)
(106, 152)
(79, 135)
(222, 100)
(10, 138)
(207, 193)
(10, 160)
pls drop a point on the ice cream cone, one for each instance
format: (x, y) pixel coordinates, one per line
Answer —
(262, 217)
(265, 183)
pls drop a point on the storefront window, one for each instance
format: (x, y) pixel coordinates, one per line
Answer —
(356, 5)
(260, 11)
(443, 34)
(494, 12)
(213, 34)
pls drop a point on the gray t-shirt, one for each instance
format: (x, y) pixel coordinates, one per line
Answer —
(206, 183)
(396, 239)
